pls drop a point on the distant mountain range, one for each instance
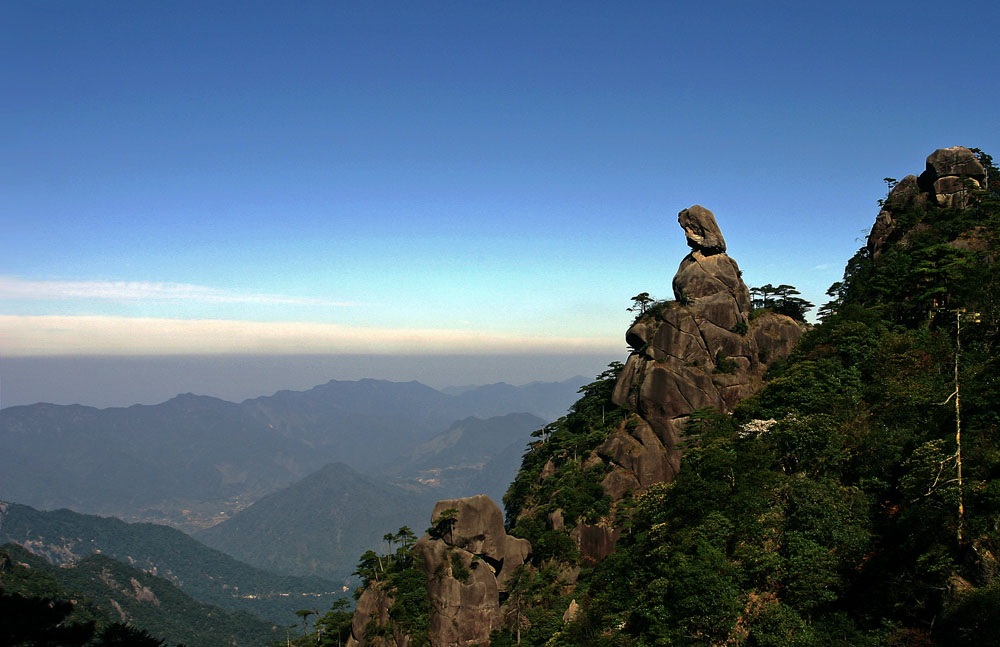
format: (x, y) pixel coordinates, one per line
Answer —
(321, 524)
(194, 460)
(473, 456)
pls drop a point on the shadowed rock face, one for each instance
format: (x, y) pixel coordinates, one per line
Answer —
(698, 351)
(374, 605)
(467, 564)
(950, 176)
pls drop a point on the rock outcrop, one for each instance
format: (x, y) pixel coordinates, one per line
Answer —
(699, 351)
(467, 560)
(372, 610)
(949, 179)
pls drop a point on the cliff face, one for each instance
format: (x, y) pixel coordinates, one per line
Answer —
(699, 351)
(707, 349)
(467, 562)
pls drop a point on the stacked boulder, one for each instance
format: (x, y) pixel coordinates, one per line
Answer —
(699, 351)
(949, 179)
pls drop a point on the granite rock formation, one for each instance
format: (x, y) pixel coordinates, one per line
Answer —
(950, 177)
(467, 560)
(699, 351)
(373, 609)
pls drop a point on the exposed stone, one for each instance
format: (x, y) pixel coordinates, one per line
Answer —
(569, 574)
(618, 483)
(467, 562)
(776, 335)
(547, 470)
(975, 240)
(642, 454)
(955, 161)
(571, 611)
(478, 525)
(701, 276)
(949, 180)
(373, 605)
(701, 230)
(465, 608)
(699, 352)
(595, 542)
(904, 194)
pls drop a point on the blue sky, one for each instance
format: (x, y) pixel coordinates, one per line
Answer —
(390, 177)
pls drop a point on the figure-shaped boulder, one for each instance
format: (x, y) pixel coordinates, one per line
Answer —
(700, 351)
(701, 230)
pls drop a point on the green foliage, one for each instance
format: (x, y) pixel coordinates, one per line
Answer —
(724, 364)
(334, 627)
(972, 619)
(458, 569)
(33, 621)
(64, 606)
(401, 577)
(639, 303)
(205, 574)
(782, 299)
(121, 635)
(824, 511)
(442, 526)
(563, 446)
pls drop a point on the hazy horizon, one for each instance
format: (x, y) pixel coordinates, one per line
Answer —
(434, 179)
(115, 381)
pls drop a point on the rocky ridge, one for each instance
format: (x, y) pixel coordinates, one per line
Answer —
(949, 179)
(699, 351)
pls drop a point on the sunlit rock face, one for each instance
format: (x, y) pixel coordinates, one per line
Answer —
(467, 560)
(950, 178)
(700, 350)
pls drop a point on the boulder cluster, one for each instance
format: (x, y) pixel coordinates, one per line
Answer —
(699, 351)
(949, 180)
(468, 561)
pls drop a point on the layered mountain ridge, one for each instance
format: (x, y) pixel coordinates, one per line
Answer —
(194, 461)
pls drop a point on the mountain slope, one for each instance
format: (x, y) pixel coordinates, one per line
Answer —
(115, 592)
(193, 460)
(64, 537)
(319, 525)
(840, 505)
(473, 456)
(851, 500)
